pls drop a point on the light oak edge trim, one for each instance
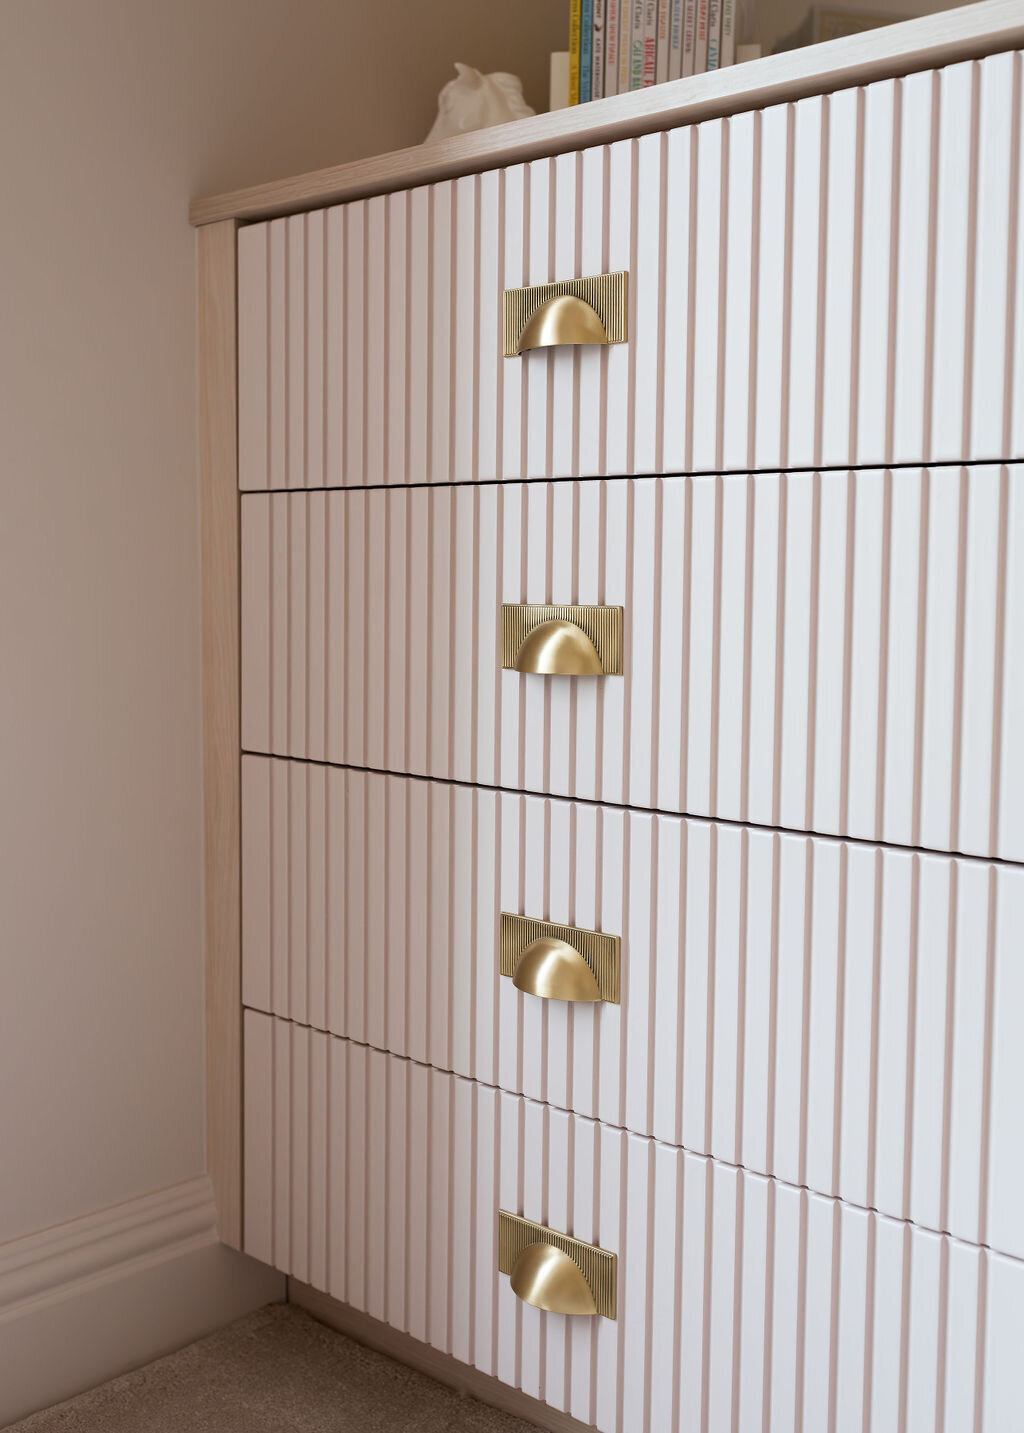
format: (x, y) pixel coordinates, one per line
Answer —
(928, 42)
(218, 482)
(370, 1332)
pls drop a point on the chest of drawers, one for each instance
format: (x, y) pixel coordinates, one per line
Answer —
(644, 1039)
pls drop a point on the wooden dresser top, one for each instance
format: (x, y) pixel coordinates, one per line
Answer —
(926, 43)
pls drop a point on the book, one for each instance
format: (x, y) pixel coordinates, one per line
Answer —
(689, 34)
(621, 45)
(558, 91)
(714, 34)
(575, 15)
(700, 39)
(728, 51)
(636, 46)
(611, 48)
(675, 40)
(626, 44)
(586, 48)
(661, 74)
(650, 61)
(597, 53)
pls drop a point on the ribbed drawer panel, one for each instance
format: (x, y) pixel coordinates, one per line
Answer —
(832, 282)
(742, 1302)
(830, 652)
(845, 1017)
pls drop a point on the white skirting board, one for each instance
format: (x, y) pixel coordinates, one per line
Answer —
(96, 1296)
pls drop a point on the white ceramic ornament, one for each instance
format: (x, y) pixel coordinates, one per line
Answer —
(476, 101)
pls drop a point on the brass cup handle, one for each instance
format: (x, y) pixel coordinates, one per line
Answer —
(558, 962)
(566, 641)
(555, 1271)
(554, 970)
(594, 309)
(549, 1279)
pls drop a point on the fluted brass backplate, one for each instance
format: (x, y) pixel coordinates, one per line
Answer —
(534, 317)
(522, 936)
(547, 1281)
(561, 641)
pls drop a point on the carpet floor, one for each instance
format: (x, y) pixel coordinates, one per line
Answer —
(276, 1371)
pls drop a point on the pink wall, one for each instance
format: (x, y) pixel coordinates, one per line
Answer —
(112, 115)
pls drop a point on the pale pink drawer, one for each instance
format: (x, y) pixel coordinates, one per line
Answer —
(746, 1301)
(830, 652)
(844, 1017)
(829, 282)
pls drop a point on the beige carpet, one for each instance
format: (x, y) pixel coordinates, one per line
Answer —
(277, 1371)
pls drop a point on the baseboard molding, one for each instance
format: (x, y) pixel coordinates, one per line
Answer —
(405, 1349)
(52, 1263)
(91, 1298)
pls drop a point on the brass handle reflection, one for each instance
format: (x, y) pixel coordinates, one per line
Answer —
(590, 310)
(553, 1271)
(548, 1279)
(559, 962)
(555, 971)
(561, 641)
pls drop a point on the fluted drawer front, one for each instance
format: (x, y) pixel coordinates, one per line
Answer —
(844, 1017)
(836, 281)
(742, 1302)
(829, 652)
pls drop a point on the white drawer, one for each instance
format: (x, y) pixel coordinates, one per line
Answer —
(844, 1017)
(741, 1301)
(831, 652)
(822, 283)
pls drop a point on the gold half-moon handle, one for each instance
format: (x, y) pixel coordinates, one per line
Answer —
(554, 970)
(553, 640)
(559, 648)
(564, 319)
(594, 309)
(548, 1278)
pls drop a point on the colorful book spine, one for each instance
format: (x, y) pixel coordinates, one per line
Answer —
(626, 44)
(650, 70)
(689, 34)
(575, 17)
(714, 34)
(700, 39)
(636, 46)
(728, 52)
(597, 53)
(664, 6)
(586, 48)
(611, 48)
(675, 40)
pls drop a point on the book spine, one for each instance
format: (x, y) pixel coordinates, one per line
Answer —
(575, 15)
(636, 45)
(689, 34)
(714, 34)
(700, 39)
(664, 7)
(650, 61)
(586, 48)
(675, 41)
(611, 48)
(728, 51)
(626, 45)
(597, 53)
